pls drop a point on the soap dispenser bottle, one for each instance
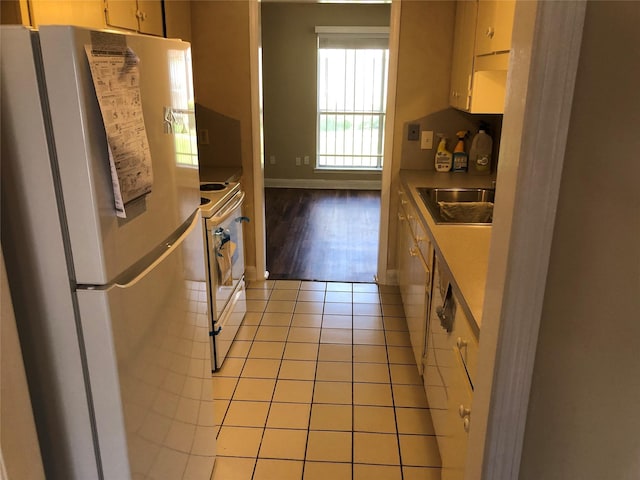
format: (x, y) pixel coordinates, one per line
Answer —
(460, 157)
(443, 156)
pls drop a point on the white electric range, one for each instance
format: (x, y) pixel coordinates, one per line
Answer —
(222, 216)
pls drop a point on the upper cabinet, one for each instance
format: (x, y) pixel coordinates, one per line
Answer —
(85, 13)
(482, 41)
(170, 18)
(494, 27)
(144, 16)
(463, 51)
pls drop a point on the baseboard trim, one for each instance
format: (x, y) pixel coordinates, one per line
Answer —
(251, 274)
(323, 184)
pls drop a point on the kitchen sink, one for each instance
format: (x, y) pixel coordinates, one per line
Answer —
(459, 206)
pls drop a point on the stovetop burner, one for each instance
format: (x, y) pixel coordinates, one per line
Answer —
(217, 193)
(212, 187)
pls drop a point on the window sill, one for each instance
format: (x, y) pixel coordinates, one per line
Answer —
(346, 170)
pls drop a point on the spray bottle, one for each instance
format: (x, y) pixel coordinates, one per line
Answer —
(443, 156)
(460, 158)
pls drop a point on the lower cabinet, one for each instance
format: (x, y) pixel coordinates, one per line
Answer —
(414, 253)
(451, 355)
(443, 342)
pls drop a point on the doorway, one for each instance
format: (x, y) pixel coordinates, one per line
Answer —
(320, 223)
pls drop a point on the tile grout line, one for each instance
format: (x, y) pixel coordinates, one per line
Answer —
(353, 399)
(313, 390)
(393, 398)
(273, 393)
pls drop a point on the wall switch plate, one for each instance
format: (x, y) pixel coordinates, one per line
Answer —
(272, 159)
(426, 139)
(414, 131)
(298, 161)
(306, 159)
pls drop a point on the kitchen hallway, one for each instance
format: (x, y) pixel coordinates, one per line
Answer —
(321, 382)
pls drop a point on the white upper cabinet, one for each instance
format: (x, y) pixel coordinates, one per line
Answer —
(144, 16)
(153, 17)
(494, 27)
(84, 13)
(463, 50)
(482, 41)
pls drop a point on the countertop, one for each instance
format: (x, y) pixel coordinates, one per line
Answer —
(220, 174)
(463, 249)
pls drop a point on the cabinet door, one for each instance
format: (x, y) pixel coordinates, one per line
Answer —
(436, 356)
(144, 16)
(122, 14)
(151, 17)
(494, 27)
(83, 13)
(402, 255)
(463, 51)
(417, 302)
(459, 396)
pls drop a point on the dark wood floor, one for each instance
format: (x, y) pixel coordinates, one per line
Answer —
(325, 235)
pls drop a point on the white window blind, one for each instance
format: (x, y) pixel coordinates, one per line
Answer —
(352, 96)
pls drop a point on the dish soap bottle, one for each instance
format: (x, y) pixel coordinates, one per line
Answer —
(443, 156)
(460, 158)
(480, 154)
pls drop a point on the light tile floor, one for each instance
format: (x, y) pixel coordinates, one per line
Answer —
(321, 383)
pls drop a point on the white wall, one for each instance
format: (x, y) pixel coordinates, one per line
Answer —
(583, 420)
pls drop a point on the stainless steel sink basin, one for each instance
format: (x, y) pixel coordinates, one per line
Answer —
(460, 206)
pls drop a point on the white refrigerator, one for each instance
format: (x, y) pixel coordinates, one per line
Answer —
(112, 309)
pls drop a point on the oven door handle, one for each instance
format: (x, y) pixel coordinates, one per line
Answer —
(227, 210)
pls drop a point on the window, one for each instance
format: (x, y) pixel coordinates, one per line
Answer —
(352, 96)
(181, 116)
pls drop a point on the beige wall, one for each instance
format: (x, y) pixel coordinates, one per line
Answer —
(583, 419)
(424, 66)
(289, 79)
(222, 83)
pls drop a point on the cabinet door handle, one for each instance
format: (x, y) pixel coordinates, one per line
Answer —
(461, 343)
(466, 423)
(401, 217)
(490, 32)
(464, 411)
(413, 251)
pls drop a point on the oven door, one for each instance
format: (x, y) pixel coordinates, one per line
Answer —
(225, 252)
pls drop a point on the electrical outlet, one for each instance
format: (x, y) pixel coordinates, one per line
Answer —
(426, 139)
(298, 161)
(306, 159)
(414, 131)
(272, 159)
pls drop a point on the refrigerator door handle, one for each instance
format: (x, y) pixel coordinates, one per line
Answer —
(170, 247)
